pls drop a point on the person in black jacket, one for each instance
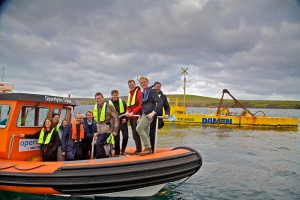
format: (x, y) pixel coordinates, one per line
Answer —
(151, 105)
(48, 139)
(166, 107)
(90, 127)
(120, 107)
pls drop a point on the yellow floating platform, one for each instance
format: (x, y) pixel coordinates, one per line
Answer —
(213, 119)
(222, 117)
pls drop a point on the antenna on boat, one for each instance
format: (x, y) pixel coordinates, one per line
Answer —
(184, 83)
(3, 73)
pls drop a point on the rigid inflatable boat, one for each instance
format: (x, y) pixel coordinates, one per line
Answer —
(124, 176)
(115, 176)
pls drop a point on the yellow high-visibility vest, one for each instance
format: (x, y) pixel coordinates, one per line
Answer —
(102, 115)
(41, 138)
(132, 103)
(121, 106)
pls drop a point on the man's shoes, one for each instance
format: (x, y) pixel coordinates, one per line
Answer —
(124, 154)
(146, 151)
(136, 153)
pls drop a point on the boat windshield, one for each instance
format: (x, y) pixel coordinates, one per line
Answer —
(4, 115)
(65, 113)
(31, 116)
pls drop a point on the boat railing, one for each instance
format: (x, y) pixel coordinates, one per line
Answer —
(263, 113)
(96, 135)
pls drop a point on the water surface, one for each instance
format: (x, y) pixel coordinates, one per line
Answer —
(238, 163)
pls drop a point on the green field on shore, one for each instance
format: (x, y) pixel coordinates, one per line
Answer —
(200, 101)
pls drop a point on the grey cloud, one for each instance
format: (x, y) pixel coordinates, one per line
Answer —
(81, 47)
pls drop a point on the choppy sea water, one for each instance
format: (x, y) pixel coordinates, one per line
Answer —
(238, 163)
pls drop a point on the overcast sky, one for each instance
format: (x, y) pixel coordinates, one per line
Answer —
(80, 47)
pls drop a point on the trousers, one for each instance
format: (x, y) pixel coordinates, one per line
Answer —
(101, 141)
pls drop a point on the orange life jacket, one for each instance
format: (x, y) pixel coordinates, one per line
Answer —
(74, 133)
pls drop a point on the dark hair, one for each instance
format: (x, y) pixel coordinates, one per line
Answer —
(99, 94)
(54, 114)
(88, 112)
(44, 124)
(156, 83)
(129, 81)
(114, 91)
(61, 126)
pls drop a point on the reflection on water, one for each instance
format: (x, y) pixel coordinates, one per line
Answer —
(238, 163)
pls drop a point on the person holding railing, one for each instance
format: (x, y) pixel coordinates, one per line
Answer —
(134, 107)
(108, 122)
(48, 139)
(151, 105)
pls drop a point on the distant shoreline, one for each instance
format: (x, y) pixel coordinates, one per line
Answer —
(200, 101)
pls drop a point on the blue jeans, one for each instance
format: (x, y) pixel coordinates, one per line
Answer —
(101, 140)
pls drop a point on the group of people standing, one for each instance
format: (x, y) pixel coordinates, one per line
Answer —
(74, 140)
